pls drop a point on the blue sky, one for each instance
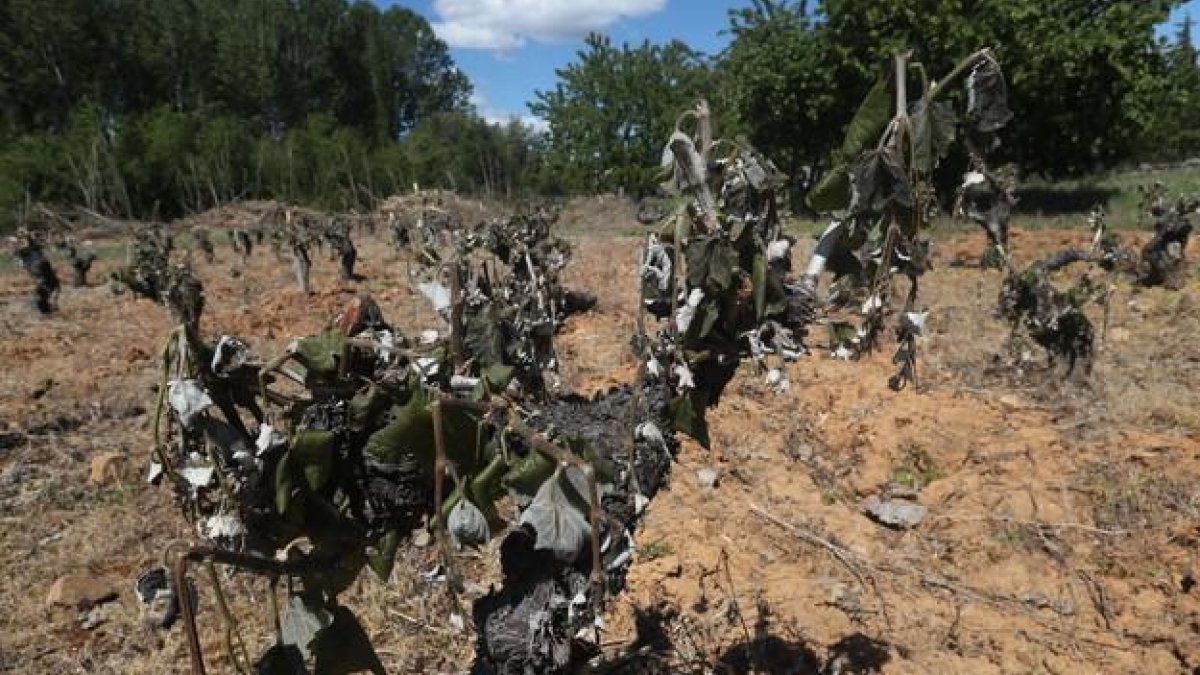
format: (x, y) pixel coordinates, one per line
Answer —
(511, 48)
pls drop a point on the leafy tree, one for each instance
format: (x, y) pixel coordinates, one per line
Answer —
(1078, 69)
(1175, 129)
(612, 108)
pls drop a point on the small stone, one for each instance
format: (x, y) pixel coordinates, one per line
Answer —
(107, 466)
(421, 537)
(93, 617)
(896, 514)
(708, 477)
(80, 591)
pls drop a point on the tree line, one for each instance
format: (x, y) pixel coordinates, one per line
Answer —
(155, 108)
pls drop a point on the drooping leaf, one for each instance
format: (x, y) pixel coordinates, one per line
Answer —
(312, 454)
(879, 182)
(467, 524)
(341, 565)
(832, 193)
(410, 433)
(558, 518)
(188, 399)
(688, 417)
(383, 558)
(869, 121)
(366, 407)
(344, 647)
(987, 98)
(303, 618)
(934, 129)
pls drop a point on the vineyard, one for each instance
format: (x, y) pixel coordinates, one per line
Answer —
(453, 436)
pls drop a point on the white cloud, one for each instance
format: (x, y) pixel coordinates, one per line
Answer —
(505, 25)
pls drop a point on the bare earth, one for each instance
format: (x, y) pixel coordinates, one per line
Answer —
(1062, 533)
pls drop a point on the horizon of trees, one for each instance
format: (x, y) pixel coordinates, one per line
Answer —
(157, 108)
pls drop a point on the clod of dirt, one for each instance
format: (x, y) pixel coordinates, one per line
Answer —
(107, 466)
(896, 514)
(80, 591)
(708, 477)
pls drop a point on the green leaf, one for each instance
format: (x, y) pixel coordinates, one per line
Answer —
(411, 433)
(832, 193)
(869, 122)
(528, 473)
(366, 407)
(284, 484)
(687, 414)
(322, 354)
(344, 647)
(383, 558)
(493, 379)
(312, 453)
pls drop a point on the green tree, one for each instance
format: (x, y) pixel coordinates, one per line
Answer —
(1174, 130)
(1078, 69)
(613, 108)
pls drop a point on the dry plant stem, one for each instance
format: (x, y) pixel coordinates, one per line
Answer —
(1036, 523)
(232, 634)
(249, 563)
(853, 563)
(439, 517)
(456, 316)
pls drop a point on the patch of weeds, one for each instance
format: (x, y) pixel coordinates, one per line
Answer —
(917, 468)
(655, 549)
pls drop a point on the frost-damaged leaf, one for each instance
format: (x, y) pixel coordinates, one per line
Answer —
(987, 98)
(437, 294)
(187, 399)
(467, 524)
(198, 476)
(302, 620)
(556, 514)
(934, 129)
(684, 162)
(344, 648)
(879, 181)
